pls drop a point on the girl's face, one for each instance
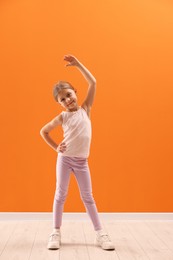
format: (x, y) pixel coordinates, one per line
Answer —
(67, 98)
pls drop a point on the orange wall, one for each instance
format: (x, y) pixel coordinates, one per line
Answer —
(127, 45)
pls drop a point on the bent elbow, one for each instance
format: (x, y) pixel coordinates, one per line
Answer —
(42, 132)
(94, 82)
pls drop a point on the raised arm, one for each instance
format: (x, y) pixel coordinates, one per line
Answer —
(89, 78)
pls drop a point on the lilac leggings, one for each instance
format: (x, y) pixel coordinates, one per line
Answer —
(79, 166)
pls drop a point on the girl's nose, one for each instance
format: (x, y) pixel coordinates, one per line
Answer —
(67, 100)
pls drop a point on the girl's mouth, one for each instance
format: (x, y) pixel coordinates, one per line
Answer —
(70, 103)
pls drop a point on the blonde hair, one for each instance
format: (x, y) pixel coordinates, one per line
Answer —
(59, 86)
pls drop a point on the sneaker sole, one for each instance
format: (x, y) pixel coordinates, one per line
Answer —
(53, 247)
(105, 248)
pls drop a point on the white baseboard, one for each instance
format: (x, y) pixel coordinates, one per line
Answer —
(6, 216)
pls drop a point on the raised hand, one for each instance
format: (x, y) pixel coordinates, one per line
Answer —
(73, 61)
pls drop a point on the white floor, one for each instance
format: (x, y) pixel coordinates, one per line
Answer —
(133, 239)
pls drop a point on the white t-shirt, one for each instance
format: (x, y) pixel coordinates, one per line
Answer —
(77, 133)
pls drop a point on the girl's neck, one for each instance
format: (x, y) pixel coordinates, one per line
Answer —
(73, 109)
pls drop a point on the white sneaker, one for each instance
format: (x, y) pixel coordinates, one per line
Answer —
(54, 240)
(104, 241)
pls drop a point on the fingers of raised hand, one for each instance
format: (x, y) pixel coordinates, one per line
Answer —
(69, 58)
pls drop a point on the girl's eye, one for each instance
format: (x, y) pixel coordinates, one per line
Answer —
(69, 94)
(62, 100)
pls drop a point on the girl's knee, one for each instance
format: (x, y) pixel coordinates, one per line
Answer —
(60, 196)
(87, 198)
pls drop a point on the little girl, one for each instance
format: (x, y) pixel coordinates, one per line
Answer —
(73, 152)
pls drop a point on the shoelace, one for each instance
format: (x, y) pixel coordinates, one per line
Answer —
(105, 238)
(53, 237)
